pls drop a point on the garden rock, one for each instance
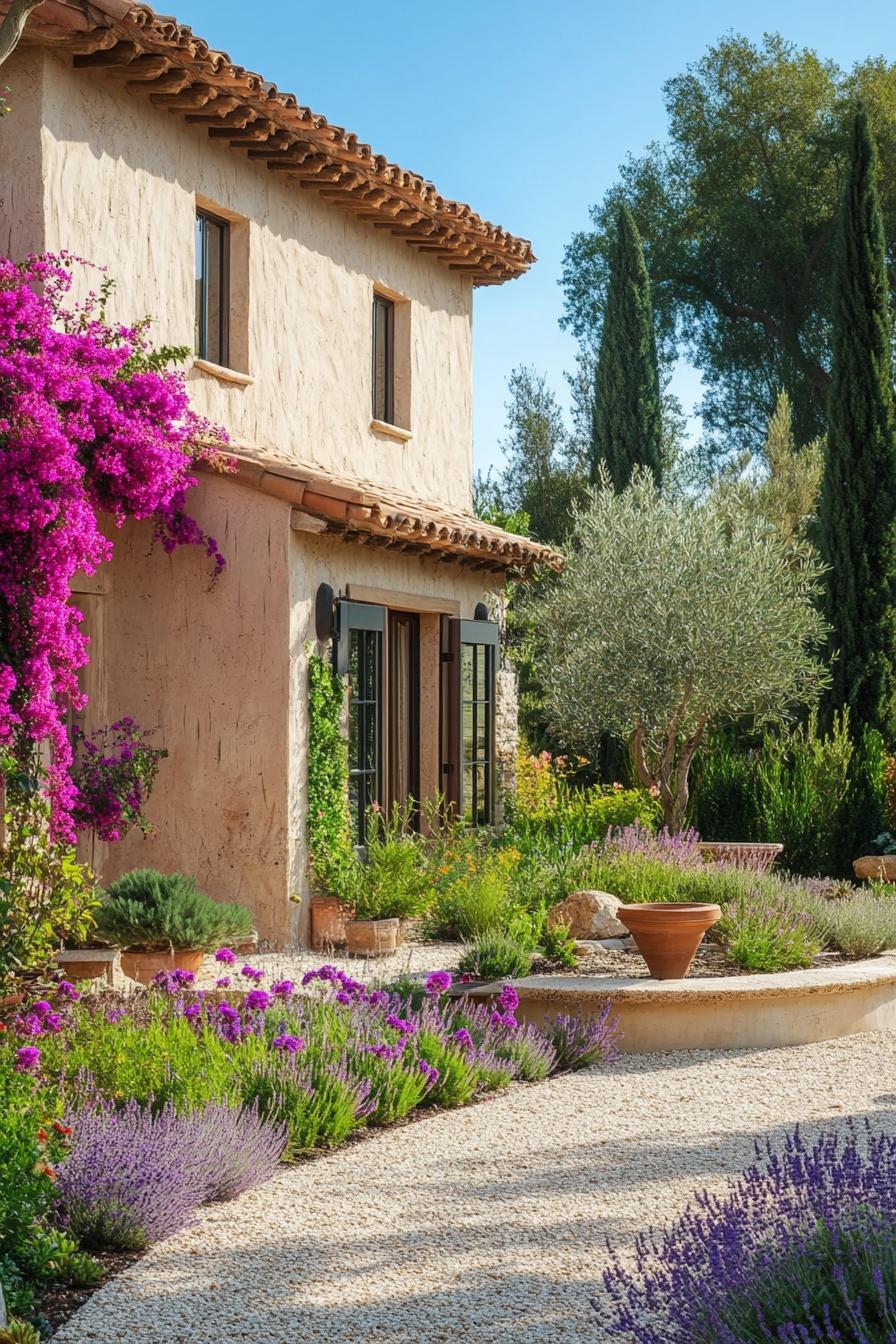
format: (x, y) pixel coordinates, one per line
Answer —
(589, 915)
(876, 868)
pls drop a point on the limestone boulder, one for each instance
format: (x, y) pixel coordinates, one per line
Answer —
(876, 868)
(589, 915)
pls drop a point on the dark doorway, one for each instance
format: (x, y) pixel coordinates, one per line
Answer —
(403, 732)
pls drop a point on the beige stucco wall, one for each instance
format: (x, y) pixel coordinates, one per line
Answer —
(118, 184)
(221, 673)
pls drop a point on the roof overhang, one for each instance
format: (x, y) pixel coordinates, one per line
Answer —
(161, 60)
(374, 515)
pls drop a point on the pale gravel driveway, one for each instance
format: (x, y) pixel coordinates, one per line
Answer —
(485, 1224)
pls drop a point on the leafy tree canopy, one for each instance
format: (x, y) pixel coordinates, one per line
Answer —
(737, 213)
(672, 617)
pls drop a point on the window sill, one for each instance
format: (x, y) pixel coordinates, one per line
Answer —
(225, 375)
(393, 431)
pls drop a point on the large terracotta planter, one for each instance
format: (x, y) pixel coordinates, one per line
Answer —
(142, 966)
(668, 933)
(90, 963)
(328, 917)
(741, 854)
(371, 937)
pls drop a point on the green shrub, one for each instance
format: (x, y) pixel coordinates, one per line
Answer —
(393, 881)
(558, 947)
(476, 895)
(152, 911)
(765, 932)
(495, 955)
(859, 925)
(546, 802)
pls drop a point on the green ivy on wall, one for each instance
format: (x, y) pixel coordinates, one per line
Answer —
(329, 827)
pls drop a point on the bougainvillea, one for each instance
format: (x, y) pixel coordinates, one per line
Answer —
(91, 422)
(113, 772)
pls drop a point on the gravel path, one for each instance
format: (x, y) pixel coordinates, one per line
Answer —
(485, 1224)
(410, 957)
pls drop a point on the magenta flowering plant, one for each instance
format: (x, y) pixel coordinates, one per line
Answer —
(113, 772)
(91, 422)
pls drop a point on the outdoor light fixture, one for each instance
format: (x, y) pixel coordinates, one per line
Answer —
(323, 612)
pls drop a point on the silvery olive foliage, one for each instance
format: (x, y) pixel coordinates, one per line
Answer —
(671, 616)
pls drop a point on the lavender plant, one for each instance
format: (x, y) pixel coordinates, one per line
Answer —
(580, 1042)
(800, 1249)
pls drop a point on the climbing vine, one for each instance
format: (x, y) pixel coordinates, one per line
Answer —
(329, 826)
(92, 421)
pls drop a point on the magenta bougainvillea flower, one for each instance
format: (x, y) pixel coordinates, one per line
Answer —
(87, 426)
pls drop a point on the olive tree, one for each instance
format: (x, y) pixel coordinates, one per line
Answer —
(670, 617)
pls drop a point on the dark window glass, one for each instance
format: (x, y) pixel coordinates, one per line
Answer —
(365, 725)
(383, 359)
(212, 288)
(477, 731)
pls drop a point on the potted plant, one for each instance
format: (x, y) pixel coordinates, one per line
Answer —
(668, 933)
(389, 887)
(95, 960)
(163, 921)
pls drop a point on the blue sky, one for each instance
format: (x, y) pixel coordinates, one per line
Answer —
(525, 110)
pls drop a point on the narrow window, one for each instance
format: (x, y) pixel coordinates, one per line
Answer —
(212, 288)
(469, 766)
(383, 359)
(360, 655)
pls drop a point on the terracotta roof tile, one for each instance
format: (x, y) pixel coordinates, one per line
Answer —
(162, 58)
(359, 510)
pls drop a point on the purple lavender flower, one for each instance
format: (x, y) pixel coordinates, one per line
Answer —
(41, 1008)
(402, 1024)
(509, 1000)
(797, 1250)
(30, 1025)
(222, 982)
(283, 988)
(259, 999)
(192, 1011)
(504, 1020)
(439, 982)
(292, 1044)
(53, 1022)
(66, 990)
(252, 973)
(27, 1059)
(226, 956)
(379, 998)
(133, 1176)
(429, 1071)
(463, 1037)
(182, 977)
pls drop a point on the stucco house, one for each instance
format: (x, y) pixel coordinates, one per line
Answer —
(328, 296)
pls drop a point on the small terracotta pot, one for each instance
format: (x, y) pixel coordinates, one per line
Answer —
(668, 933)
(89, 963)
(328, 916)
(142, 966)
(371, 937)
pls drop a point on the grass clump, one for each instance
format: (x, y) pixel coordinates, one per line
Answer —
(496, 955)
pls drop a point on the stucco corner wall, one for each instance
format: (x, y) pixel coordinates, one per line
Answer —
(208, 667)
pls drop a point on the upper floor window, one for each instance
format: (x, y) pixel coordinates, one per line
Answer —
(383, 359)
(212, 288)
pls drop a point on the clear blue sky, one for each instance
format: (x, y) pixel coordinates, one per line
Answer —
(523, 109)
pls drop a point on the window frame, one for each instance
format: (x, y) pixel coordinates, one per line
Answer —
(383, 308)
(363, 618)
(204, 218)
(484, 636)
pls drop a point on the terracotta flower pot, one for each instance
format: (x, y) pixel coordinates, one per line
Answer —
(142, 966)
(668, 933)
(89, 963)
(328, 917)
(741, 854)
(371, 937)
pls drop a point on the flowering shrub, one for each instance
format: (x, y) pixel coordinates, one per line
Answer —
(90, 422)
(113, 772)
(578, 1042)
(135, 1175)
(546, 799)
(801, 1249)
(765, 934)
(682, 850)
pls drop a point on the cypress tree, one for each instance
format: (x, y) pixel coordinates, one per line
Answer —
(626, 427)
(857, 512)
